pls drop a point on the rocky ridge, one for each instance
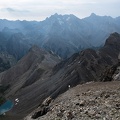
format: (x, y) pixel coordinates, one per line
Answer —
(27, 72)
(37, 76)
(62, 35)
(91, 62)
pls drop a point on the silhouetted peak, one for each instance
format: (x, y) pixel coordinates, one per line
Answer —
(63, 16)
(93, 15)
(56, 14)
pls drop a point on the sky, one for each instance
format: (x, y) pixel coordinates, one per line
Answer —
(40, 9)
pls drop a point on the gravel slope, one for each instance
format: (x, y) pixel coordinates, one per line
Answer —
(90, 101)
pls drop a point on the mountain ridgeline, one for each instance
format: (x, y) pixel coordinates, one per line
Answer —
(40, 74)
(62, 35)
(41, 60)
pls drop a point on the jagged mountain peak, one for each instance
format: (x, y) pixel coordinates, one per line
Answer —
(62, 17)
(56, 14)
(75, 33)
(93, 15)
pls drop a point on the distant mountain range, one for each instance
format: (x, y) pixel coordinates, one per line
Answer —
(62, 35)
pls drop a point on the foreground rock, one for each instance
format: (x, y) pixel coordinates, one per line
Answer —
(91, 101)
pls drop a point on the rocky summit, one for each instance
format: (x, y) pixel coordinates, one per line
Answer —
(90, 101)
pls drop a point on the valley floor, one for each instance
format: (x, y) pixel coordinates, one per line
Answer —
(90, 101)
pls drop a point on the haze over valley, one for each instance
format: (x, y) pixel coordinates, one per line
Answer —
(62, 35)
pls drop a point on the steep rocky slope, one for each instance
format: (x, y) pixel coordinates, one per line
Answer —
(34, 79)
(88, 65)
(34, 66)
(90, 101)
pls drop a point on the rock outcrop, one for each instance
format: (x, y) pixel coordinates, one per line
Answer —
(42, 109)
(112, 73)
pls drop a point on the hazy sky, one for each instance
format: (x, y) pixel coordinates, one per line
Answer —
(40, 9)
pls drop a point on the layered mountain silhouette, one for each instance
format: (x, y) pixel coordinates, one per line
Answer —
(38, 76)
(62, 35)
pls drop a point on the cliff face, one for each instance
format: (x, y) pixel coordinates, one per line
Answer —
(112, 73)
(116, 75)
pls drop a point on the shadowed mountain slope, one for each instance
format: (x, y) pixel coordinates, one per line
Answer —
(88, 65)
(34, 79)
(32, 67)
